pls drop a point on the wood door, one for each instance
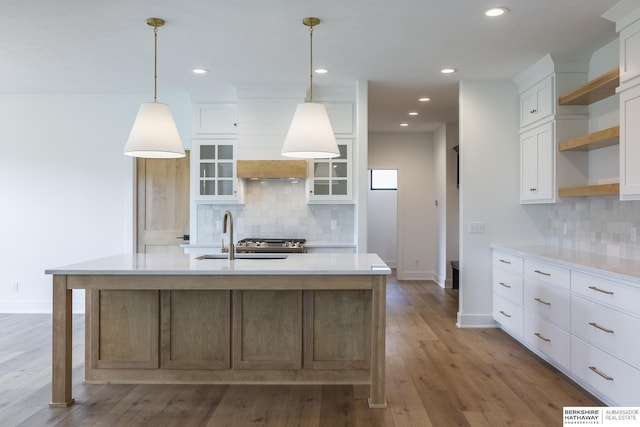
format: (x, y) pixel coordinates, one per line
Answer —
(162, 204)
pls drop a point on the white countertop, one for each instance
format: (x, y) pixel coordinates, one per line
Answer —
(624, 268)
(184, 264)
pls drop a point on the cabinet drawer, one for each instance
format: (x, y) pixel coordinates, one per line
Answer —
(507, 262)
(547, 338)
(548, 273)
(508, 285)
(616, 381)
(606, 291)
(508, 315)
(548, 302)
(606, 328)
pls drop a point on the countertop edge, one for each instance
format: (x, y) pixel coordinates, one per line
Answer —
(624, 269)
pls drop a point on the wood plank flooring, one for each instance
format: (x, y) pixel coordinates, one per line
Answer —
(437, 375)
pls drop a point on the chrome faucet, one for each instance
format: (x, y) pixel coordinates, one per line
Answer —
(232, 249)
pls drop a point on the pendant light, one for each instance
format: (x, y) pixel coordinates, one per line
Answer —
(310, 134)
(154, 133)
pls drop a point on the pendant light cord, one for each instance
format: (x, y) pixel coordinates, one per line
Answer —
(155, 63)
(311, 64)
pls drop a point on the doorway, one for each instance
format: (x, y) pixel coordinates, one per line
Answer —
(382, 215)
(162, 204)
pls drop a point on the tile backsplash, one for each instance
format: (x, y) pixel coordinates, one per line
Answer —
(278, 208)
(597, 224)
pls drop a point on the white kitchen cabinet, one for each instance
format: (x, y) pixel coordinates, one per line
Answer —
(215, 119)
(581, 320)
(537, 165)
(630, 144)
(630, 55)
(341, 117)
(537, 103)
(507, 292)
(330, 180)
(213, 171)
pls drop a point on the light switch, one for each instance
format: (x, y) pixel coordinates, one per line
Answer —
(476, 227)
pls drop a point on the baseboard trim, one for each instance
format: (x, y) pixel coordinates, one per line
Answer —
(476, 321)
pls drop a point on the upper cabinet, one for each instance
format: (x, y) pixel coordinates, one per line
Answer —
(537, 163)
(537, 103)
(630, 110)
(215, 119)
(330, 180)
(213, 171)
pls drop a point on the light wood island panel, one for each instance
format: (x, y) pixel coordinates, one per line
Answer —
(226, 329)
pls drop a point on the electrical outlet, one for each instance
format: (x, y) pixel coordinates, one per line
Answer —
(565, 229)
(476, 227)
(334, 225)
(633, 235)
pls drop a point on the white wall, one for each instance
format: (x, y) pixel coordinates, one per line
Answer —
(413, 155)
(453, 203)
(440, 203)
(382, 225)
(489, 191)
(65, 186)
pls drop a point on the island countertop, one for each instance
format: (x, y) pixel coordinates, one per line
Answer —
(189, 264)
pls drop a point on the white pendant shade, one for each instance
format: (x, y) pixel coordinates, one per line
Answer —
(154, 133)
(310, 134)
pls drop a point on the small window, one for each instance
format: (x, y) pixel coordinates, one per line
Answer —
(384, 179)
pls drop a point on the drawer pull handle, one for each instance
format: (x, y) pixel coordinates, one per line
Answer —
(505, 285)
(543, 338)
(542, 272)
(504, 314)
(602, 328)
(603, 375)
(542, 301)
(595, 288)
(505, 262)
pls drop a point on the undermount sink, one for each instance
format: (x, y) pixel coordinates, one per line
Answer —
(244, 256)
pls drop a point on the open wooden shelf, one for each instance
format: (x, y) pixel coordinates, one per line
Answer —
(593, 91)
(591, 190)
(592, 141)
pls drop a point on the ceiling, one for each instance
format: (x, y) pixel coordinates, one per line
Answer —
(399, 46)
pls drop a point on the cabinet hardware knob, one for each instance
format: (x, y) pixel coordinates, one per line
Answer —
(505, 285)
(542, 272)
(504, 314)
(543, 338)
(533, 111)
(602, 328)
(505, 262)
(594, 288)
(603, 375)
(533, 190)
(542, 301)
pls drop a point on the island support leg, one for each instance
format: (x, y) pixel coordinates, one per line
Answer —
(62, 344)
(378, 339)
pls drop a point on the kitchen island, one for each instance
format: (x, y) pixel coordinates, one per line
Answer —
(178, 319)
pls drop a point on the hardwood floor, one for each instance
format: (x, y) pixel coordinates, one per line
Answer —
(437, 375)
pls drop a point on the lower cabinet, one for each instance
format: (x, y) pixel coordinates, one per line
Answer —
(583, 323)
(139, 332)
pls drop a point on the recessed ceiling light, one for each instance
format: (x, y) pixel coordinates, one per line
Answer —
(496, 11)
(321, 71)
(448, 70)
(424, 99)
(199, 71)
(413, 113)
(404, 125)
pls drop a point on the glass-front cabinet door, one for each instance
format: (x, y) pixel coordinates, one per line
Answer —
(330, 179)
(214, 162)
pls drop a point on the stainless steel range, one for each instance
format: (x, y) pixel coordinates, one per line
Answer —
(262, 245)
